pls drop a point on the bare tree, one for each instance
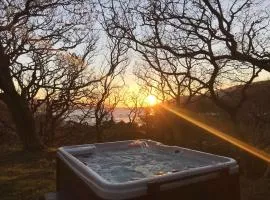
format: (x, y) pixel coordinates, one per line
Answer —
(29, 27)
(236, 30)
(6, 125)
(176, 84)
(134, 102)
(108, 94)
(107, 100)
(220, 39)
(62, 91)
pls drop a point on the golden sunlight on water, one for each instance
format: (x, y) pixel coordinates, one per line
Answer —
(242, 145)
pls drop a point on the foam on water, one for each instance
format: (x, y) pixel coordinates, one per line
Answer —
(138, 162)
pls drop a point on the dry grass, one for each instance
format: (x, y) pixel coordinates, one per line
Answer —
(25, 175)
(255, 189)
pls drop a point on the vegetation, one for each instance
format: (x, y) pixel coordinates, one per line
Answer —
(26, 175)
(66, 68)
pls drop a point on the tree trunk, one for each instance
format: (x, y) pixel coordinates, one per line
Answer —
(18, 107)
(178, 101)
(24, 122)
(51, 130)
(98, 132)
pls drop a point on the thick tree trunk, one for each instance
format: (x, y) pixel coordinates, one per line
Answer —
(24, 122)
(18, 107)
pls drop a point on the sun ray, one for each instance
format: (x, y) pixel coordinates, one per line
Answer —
(244, 146)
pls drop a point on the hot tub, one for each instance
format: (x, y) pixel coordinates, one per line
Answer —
(144, 169)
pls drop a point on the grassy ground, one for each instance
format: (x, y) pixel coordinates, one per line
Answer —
(28, 176)
(24, 175)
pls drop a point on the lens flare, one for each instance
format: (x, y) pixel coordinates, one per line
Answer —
(242, 145)
(151, 100)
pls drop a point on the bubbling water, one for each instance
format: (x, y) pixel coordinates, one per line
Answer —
(138, 161)
(142, 145)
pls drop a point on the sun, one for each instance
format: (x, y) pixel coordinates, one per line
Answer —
(151, 100)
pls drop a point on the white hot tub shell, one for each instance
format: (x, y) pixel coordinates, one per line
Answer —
(210, 176)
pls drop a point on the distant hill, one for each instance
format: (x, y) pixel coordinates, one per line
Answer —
(257, 99)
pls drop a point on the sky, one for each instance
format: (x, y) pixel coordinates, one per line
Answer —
(129, 78)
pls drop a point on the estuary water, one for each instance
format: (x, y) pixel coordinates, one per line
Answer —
(119, 114)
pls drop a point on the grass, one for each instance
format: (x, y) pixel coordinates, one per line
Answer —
(25, 175)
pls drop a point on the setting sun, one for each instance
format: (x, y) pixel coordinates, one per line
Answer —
(151, 100)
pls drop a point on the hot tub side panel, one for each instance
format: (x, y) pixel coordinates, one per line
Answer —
(69, 185)
(72, 187)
